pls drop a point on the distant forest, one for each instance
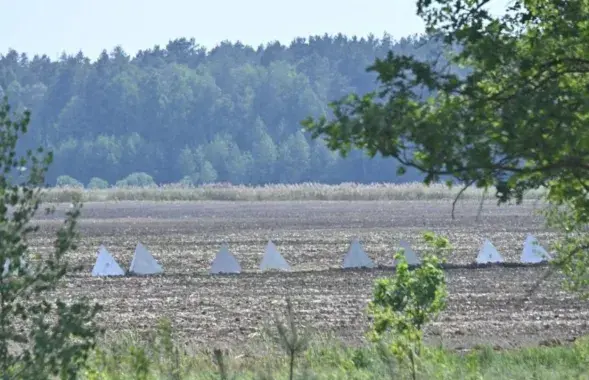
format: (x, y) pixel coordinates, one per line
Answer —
(182, 113)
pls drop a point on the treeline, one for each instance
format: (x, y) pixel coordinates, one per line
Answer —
(231, 114)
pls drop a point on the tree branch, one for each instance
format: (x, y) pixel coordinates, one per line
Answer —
(466, 186)
(566, 163)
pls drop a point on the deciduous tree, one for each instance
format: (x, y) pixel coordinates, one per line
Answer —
(517, 121)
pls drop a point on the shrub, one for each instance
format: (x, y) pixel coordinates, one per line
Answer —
(67, 181)
(97, 183)
(403, 304)
(139, 179)
(41, 336)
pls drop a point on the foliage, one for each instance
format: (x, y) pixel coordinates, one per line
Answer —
(404, 303)
(67, 181)
(169, 110)
(221, 364)
(207, 173)
(136, 180)
(97, 183)
(572, 249)
(129, 357)
(38, 338)
(329, 359)
(517, 120)
(290, 339)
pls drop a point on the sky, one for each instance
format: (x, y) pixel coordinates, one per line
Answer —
(54, 26)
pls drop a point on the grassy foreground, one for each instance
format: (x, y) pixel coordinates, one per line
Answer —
(160, 358)
(297, 192)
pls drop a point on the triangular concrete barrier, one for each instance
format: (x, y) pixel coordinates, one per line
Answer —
(356, 257)
(143, 262)
(273, 259)
(488, 254)
(533, 252)
(106, 265)
(410, 255)
(225, 262)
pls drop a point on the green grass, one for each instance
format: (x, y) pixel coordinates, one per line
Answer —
(160, 358)
(305, 191)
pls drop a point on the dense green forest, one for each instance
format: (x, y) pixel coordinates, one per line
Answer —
(230, 114)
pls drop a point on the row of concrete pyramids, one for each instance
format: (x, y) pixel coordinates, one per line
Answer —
(532, 253)
(356, 257)
(144, 263)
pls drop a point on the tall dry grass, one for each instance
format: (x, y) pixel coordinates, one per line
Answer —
(296, 192)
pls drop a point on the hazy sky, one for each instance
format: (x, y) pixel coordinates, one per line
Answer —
(52, 26)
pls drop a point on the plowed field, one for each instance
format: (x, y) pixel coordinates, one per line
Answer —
(486, 304)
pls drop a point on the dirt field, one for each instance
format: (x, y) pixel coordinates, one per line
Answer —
(485, 305)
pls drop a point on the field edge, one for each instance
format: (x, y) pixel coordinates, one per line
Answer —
(277, 192)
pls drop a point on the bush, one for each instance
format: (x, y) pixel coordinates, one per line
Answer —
(186, 181)
(139, 179)
(42, 336)
(97, 183)
(67, 181)
(404, 303)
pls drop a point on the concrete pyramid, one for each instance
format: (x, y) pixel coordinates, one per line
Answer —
(488, 254)
(106, 265)
(410, 255)
(533, 252)
(273, 259)
(224, 262)
(356, 257)
(143, 262)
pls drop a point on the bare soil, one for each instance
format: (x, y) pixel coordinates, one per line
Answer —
(486, 305)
